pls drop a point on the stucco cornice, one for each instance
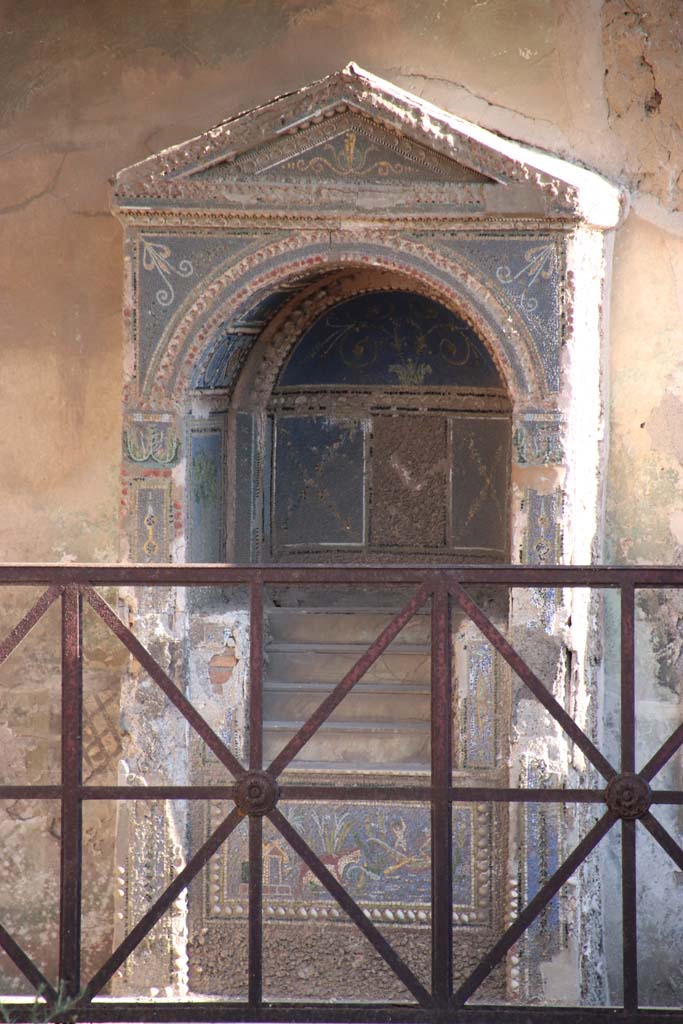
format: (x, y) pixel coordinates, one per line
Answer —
(457, 169)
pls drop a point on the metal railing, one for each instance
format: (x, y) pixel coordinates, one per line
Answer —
(256, 789)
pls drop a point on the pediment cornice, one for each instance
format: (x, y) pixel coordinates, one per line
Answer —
(362, 142)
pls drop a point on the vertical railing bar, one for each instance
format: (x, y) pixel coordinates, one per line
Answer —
(255, 821)
(629, 914)
(71, 810)
(628, 827)
(628, 717)
(255, 910)
(442, 857)
(256, 675)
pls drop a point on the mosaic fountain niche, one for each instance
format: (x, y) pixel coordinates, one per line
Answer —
(359, 330)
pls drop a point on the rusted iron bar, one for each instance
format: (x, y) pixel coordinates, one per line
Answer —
(629, 916)
(663, 755)
(370, 794)
(665, 840)
(529, 914)
(217, 1012)
(667, 796)
(72, 582)
(300, 791)
(255, 910)
(325, 709)
(187, 575)
(349, 905)
(159, 908)
(156, 672)
(30, 792)
(539, 690)
(255, 821)
(256, 675)
(629, 922)
(72, 771)
(628, 698)
(442, 766)
(26, 965)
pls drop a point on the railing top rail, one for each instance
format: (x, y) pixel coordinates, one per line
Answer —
(130, 574)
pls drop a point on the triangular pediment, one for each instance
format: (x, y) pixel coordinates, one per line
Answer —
(350, 134)
(345, 147)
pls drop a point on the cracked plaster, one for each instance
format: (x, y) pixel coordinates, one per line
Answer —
(643, 43)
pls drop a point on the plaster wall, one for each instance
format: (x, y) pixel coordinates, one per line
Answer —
(87, 88)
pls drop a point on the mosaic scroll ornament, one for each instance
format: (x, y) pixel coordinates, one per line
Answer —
(157, 258)
(346, 147)
(381, 855)
(539, 262)
(527, 272)
(167, 269)
(355, 155)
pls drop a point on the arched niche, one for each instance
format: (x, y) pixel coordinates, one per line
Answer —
(235, 243)
(401, 407)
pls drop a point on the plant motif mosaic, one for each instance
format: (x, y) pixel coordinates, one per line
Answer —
(390, 338)
(150, 442)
